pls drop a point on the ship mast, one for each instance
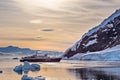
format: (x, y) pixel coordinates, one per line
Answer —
(36, 52)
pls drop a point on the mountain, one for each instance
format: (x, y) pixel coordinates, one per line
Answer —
(104, 36)
(110, 54)
(13, 49)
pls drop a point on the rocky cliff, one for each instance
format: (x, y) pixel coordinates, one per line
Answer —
(103, 36)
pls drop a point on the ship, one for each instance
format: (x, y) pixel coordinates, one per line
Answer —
(40, 58)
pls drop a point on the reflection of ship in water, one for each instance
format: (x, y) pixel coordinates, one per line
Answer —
(97, 73)
(41, 58)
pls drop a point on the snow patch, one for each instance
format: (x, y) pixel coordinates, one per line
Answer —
(110, 25)
(104, 30)
(91, 42)
(115, 38)
(102, 25)
(95, 36)
(95, 29)
(113, 29)
(74, 47)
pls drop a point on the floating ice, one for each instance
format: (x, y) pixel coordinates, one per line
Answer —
(26, 67)
(18, 69)
(35, 67)
(26, 77)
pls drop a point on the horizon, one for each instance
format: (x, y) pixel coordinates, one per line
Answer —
(50, 24)
(27, 48)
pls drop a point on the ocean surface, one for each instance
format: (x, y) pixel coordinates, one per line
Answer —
(64, 70)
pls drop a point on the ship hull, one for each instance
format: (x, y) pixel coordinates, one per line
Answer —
(41, 60)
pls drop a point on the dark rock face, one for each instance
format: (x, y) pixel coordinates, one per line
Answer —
(106, 36)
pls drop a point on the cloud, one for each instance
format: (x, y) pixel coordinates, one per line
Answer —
(47, 30)
(24, 39)
(73, 17)
(107, 1)
(36, 21)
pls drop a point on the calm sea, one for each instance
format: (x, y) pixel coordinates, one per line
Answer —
(65, 70)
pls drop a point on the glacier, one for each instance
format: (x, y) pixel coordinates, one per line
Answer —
(110, 54)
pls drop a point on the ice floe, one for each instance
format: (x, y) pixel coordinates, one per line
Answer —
(26, 77)
(26, 67)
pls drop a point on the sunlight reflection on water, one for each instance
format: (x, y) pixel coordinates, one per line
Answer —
(66, 70)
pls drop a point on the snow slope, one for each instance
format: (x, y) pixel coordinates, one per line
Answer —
(111, 54)
(110, 18)
(101, 37)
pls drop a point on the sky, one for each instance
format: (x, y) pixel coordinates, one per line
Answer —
(50, 24)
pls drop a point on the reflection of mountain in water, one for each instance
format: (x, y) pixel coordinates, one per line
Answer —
(97, 73)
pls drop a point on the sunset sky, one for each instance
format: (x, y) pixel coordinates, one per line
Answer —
(50, 24)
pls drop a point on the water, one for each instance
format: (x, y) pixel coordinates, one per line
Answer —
(65, 70)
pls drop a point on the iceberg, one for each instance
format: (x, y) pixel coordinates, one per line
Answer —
(26, 77)
(26, 68)
(35, 67)
(18, 69)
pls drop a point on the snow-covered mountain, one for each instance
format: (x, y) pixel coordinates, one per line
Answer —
(104, 36)
(14, 49)
(110, 54)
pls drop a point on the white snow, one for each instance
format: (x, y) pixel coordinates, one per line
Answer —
(26, 77)
(27, 67)
(74, 47)
(75, 57)
(115, 38)
(115, 14)
(91, 42)
(104, 30)
(110, 25)
(113, 29)
(111, 54)
(95, 36)
(102, 25)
